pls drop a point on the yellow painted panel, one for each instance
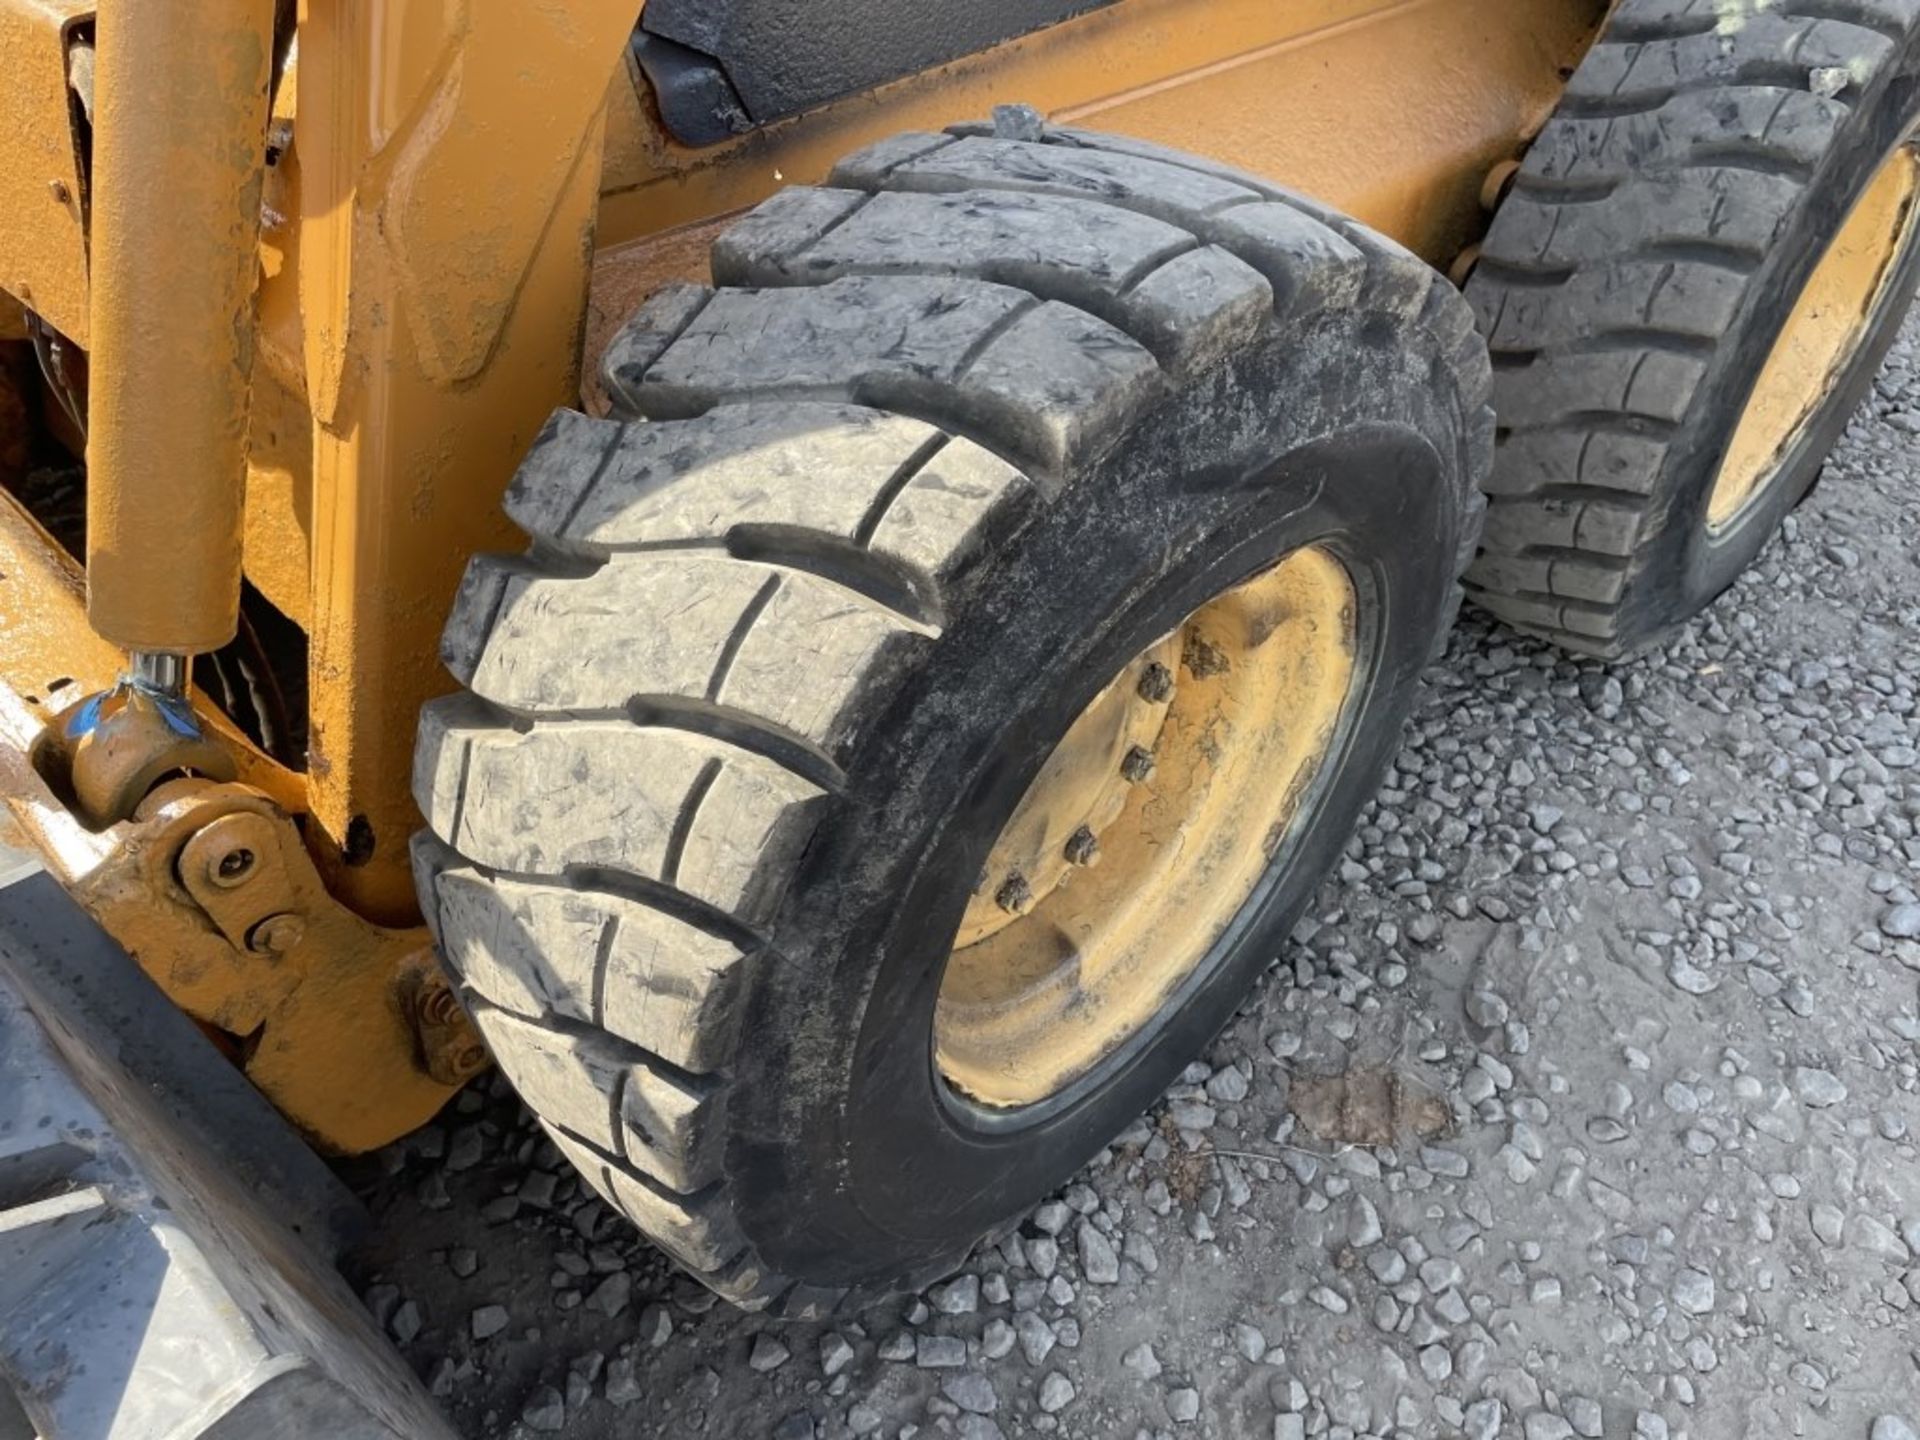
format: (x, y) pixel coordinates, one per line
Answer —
(43, 247)
(1391, 109)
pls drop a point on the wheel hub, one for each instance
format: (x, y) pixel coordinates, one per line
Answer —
(1080, 791)
(1145, 833)
(1831, 319)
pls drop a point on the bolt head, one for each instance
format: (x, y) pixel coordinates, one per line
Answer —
(1015, 895)
(1156, 684)
(1136, 765)
(58, 189)
(1083, 847)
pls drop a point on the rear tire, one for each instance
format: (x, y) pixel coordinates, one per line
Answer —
(1634, 283)
(957, 436)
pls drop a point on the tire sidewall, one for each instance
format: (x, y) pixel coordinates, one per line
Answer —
(852, 1156)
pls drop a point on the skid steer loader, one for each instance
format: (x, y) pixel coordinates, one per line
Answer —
(822, 581)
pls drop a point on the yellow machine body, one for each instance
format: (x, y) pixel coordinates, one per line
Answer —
(326, 294)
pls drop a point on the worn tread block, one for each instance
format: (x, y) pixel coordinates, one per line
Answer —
(1764, 46)
(1718, 16)
(1057, 246)
(561, 470)
(1060, 378)
(618, 644)
(1501, 571)
(1039, 376)
(483, 586)
(1310, 266)
(800, 464)
(1788, 127)
(1736, 212)
(1482, 445)
(837, 340)
(667, 1126)
(473, 794)
(1199, 307)
(745, 838)
(764, 244)
(611, 794)
(693, 1229)
(1103, 143)
(1398, 282)
(821, 630)
(1682, 299)
(1544, 522)
(1139, 273)
(934, 522)
(589, 956)
(1629, 464)
(1172, 193)
(1588, 621)
(1579, 580)
(1516, 609)
(1609, 529)
(646, 336)
(866, 168)
(1633, 385)
(679, 625)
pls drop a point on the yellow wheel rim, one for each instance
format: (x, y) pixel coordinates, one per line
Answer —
(1829, 322)
(1145, 833)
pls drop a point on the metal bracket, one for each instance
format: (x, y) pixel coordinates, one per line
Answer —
(348, 1027)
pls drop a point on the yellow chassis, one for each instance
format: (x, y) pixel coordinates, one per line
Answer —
(463, 197)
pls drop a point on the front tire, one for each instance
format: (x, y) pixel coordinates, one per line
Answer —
(959, 439)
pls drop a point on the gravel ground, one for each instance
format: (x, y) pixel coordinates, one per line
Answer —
(1584, 1104)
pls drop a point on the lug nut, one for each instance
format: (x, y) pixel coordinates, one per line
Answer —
(1015, 895)
(1083, 848)
(1156, 684)
(232, 867)
(1136, 765)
